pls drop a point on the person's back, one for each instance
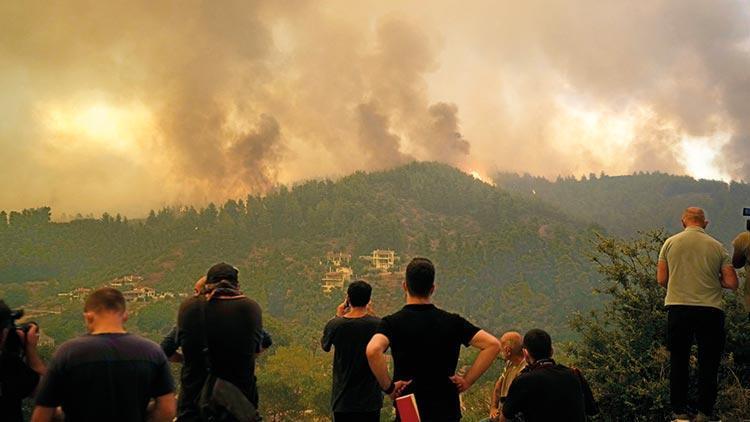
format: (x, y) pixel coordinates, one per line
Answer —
(694, 260)
(355, 393)
(355, 389)
(108, 374)
(694, 268)
(108, 377)
(546, 391)
(233, 327)
(550, 392)
(425, 344)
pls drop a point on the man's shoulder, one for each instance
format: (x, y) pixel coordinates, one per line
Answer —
(742, 239)
(90, 347)
(525, 378)
(372, 319)
(394, 316)
(336, 322)
(333, 323)
(405, 314)
(692, 237)
(452, 318)
(193, 302)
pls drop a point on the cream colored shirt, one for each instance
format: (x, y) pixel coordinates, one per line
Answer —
(510, 372)
(695, 260)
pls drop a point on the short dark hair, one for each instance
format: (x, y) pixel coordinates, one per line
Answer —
(359, 293)
(420, 277)
(538, 343)
(105, 299)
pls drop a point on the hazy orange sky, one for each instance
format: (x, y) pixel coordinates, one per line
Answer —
(123, 106)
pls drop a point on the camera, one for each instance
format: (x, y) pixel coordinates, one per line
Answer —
(13, 344)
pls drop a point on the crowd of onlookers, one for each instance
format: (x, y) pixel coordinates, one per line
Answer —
(112, 375)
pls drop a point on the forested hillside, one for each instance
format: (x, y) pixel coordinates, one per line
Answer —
(504, 261)
(643, 201)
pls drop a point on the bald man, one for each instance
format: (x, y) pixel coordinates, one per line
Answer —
(694, 267)
(511, 347)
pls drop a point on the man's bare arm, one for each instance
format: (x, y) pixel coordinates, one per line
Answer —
(376, 359)
(729, 278)
(489, 347)
(379, 367)
(662, 273)
(495, 403)
(164, 409)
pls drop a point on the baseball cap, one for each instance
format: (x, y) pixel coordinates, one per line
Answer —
(222, 271)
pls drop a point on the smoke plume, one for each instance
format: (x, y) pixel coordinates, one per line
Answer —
(128, 105)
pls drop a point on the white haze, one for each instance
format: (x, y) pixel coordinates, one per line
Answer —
(130, 105)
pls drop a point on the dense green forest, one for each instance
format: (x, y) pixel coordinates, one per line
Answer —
(527, 253)
(502, 260)
(639, 202)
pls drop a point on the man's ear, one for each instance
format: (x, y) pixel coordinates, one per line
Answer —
(88, 318)
(432, 290)
(705, 224)
(403, 286)
(526, 355)
(125, 316)
(551, 351)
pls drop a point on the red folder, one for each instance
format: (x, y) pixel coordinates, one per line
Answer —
(407, 408)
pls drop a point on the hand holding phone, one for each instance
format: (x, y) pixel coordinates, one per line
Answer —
(343, 308)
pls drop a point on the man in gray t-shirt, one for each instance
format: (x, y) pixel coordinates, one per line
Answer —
(107, 374)
(694, 267)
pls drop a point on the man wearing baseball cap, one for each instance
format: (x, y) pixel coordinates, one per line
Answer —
(232, 326)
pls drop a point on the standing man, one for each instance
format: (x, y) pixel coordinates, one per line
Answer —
(741, 246)
(425, 343)
(20, 365)
(511, 347)
(694, 267)
(108, 374)
(356, 395)
(546, 391)
(232, 325)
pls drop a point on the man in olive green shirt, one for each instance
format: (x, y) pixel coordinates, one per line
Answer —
(511, 346)
(694, 267)
(741, 245)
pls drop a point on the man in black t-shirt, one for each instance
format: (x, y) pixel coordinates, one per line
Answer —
(233, 328)
(425, 343)
(355, 396)
(20, 367)
(108, 374)
(546, 391)
(170, 344)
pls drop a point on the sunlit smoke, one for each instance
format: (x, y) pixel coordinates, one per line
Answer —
(125, 106)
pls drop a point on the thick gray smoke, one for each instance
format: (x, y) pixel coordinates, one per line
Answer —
(128, 105)
(379, 143)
